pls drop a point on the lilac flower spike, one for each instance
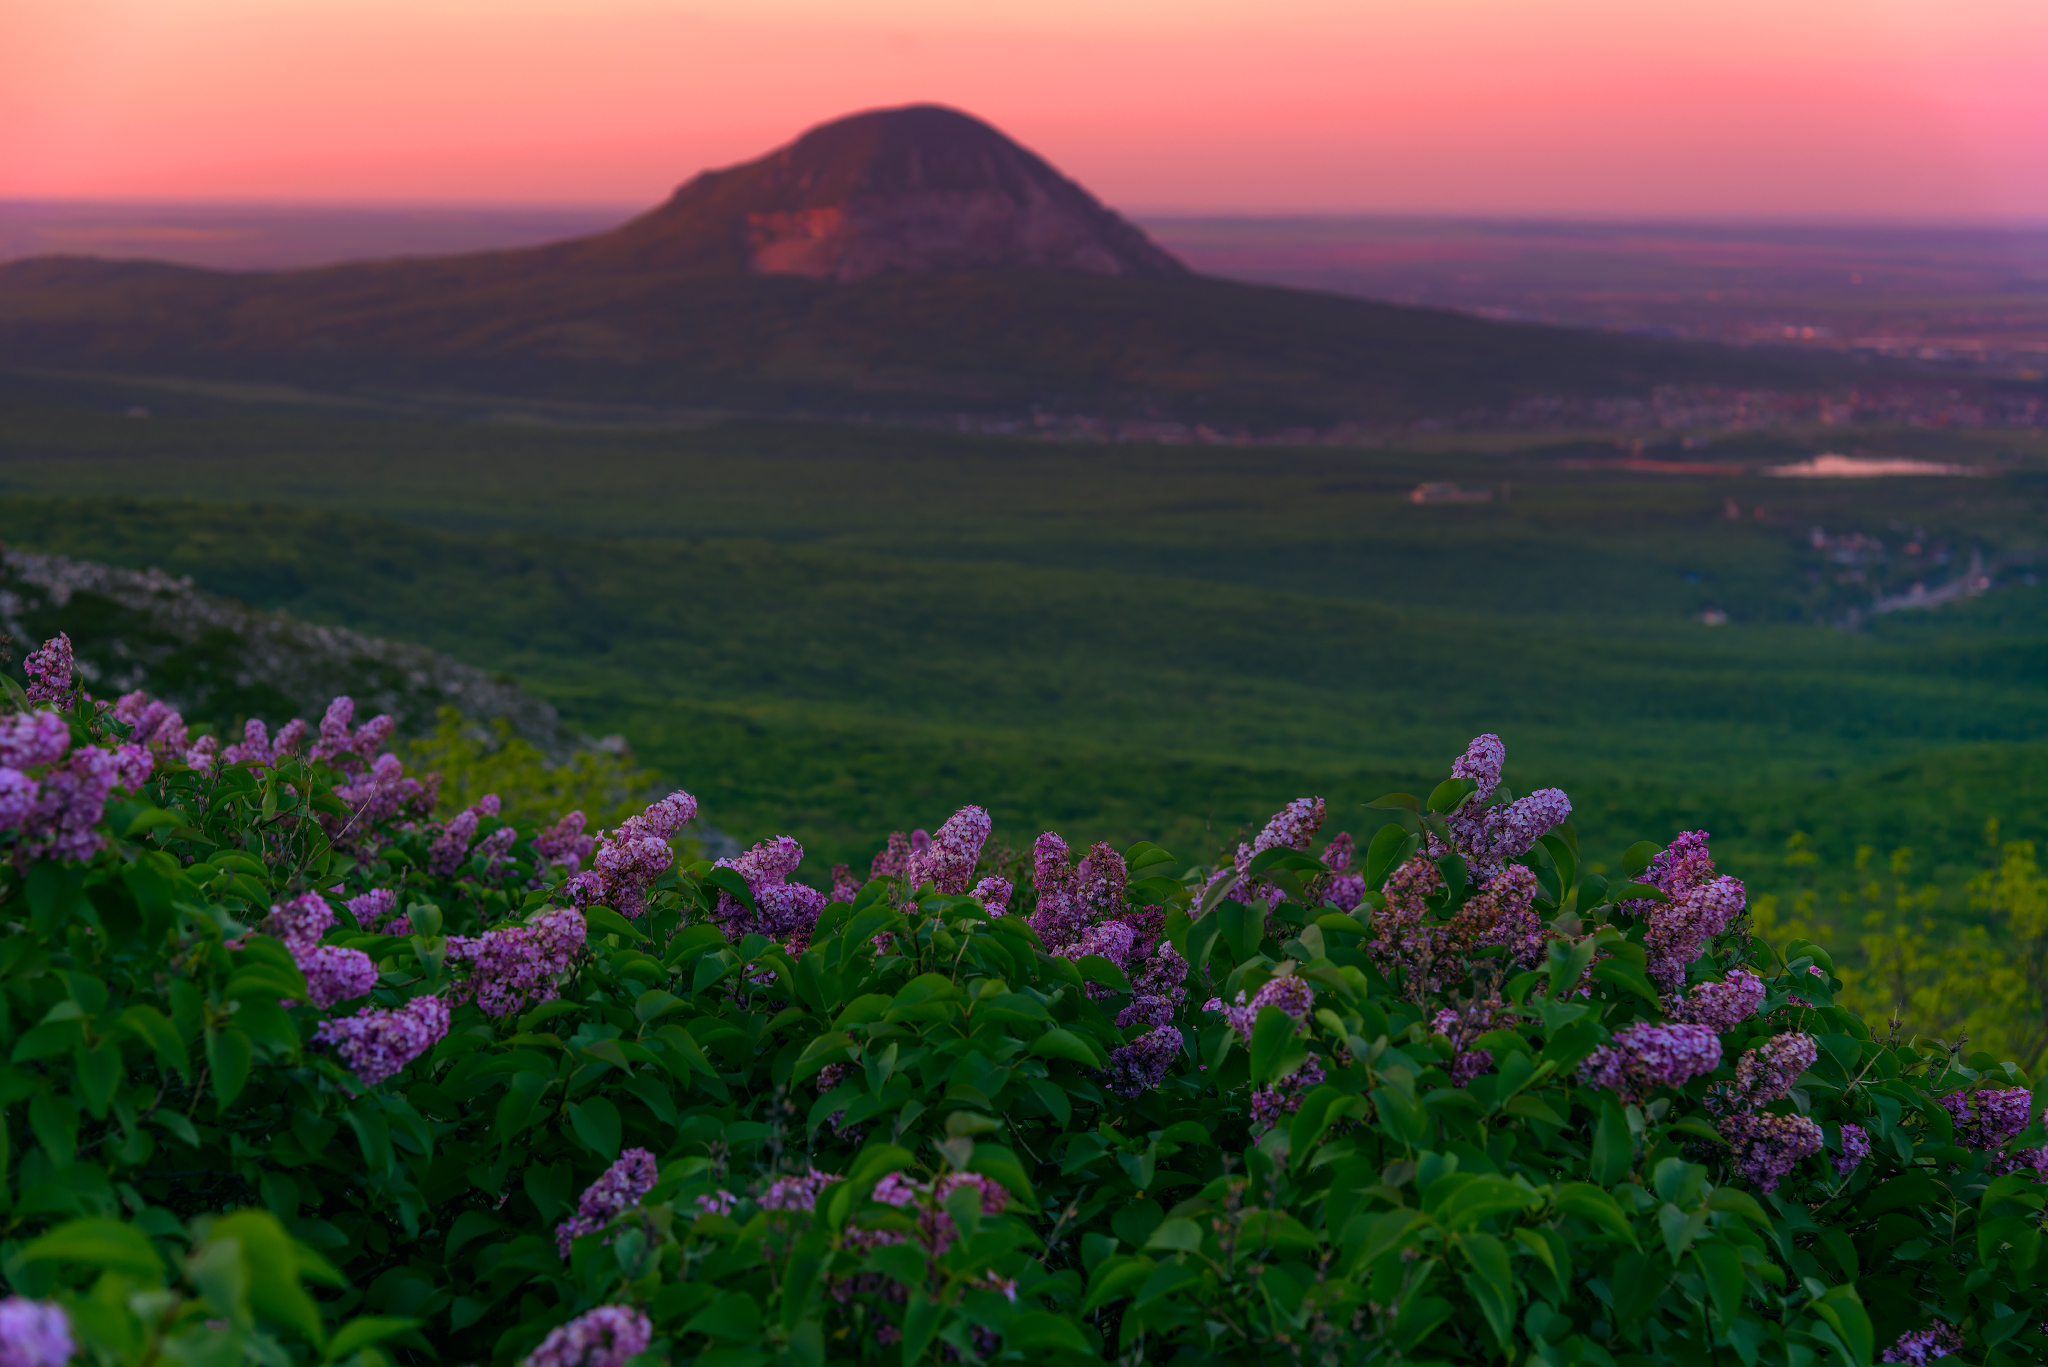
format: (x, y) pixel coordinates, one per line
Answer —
(1291, 994)
(29, 740)
(1293, 827)
(1922, 1346)
(34, 1333)
(376, 1043)
(630, 859)
(1724, 1005)
(1767, 1072)
(1988, 1119)
(1855, 1148)
(564, 844)
(1644, 1057)
(948, 861)
(48, 667)
(514, 968)
(620, 1186)
(334, 974)
(605, 1337)
(782, 910)
(993, 894)
(1141, 1065)
(1766, 1147)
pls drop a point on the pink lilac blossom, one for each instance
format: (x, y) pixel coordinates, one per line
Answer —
(1644, 1057)
(630, 859)
(450, 850)
(1726, 1004)
(894, 860)
(1503, 915)
(1766, 1147)
(1922, 1346)
(373, 908)
(720, 1202)
(1113, 940)
(344, 748)
(496, 847)
(1988, 1119)
(334, 974)
(48, 667)
(1338, 854)
(1147, 1010)
(515, 968)
(1767, 1072)
(29, 740)
(34, 1333)
(1407, 938)
(1345, 892)
(17, 798)
(56, 815)
(259, 748)
(375, 1043)
(1293, 827)
(935, 1229)
(621, 1185)
(153, 723)
(1461, 1027)
(564, 844)
(1489, 835)
(1855, 1148)
(993, 894)
(948, 861)
(605, 1337)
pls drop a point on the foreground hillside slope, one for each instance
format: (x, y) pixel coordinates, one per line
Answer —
(898, 262)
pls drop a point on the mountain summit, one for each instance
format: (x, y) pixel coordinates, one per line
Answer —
(922, 188)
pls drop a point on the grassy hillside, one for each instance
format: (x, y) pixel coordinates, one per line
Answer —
(849, 629)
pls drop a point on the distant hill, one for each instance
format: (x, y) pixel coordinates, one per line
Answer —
(900, 261)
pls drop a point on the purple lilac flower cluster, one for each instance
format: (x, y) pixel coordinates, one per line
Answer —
(1855, 1148)
(604, 1337)
(1463, 1026)
(1766, 1147)
(381, 794)
(450, 849)
(621, 1185)
(1487, 834)
(782, 910)
(346, 749)
(34, 1333)
(333, 974)
(376, 1043)
(926, 1202)
(515, 968)
(155, 725)
(1723, 1005)
(1503, 915)
(1290, 994)
(54, 813)
(947, 861)
(376, 910)
(799, 1192)
(1408, 940)
(48, 667)
(844, 888)
(1293, 827)
(1644, 1057)
(993, 894)
(1988, 1120)
(1283, 1098)
(1141, 1065)
(564, 845)
(631, 858)
(894, 860)
(1346, 889)
(1766, 1073)
(1922, 1346)
(1701, 907)
(258, 749)
(1061, 914)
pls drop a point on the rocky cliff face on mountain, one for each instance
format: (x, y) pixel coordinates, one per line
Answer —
(918, 189)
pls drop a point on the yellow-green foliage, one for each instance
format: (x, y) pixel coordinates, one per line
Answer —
(473, 760)
(1985, 982)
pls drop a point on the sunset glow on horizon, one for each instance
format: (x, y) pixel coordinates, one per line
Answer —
(1879, 108)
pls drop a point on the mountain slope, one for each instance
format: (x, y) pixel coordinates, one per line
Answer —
(900, 261)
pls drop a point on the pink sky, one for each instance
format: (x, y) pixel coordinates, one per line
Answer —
(1895, 108)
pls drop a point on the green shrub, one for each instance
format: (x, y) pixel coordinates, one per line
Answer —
(297, 1074)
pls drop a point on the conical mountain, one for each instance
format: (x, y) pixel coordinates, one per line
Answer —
(922, 188)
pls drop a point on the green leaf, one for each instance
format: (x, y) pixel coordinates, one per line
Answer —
(363, 1331)
(1100, 971)
(1067, 1045)
(1115, 1277)
(1183, 1235)
(1614, 1147)
(734, 1316)
(1482, 1197)
(904, 1263)
(1396, 802)
(993, 1160)
(103, 1243)
(655, 1002)
(597, 1123)
(1450, 795)
(1624, 974)
(609, 922)
(153, 1028)
(1720, 1266)
(273, 1270)
(1589, 1202)
(1636, 858)
(150, 819)
(1275, 1051)
(1039, 1331)
(1390, 846)
(733, 883)
(228, 1055)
